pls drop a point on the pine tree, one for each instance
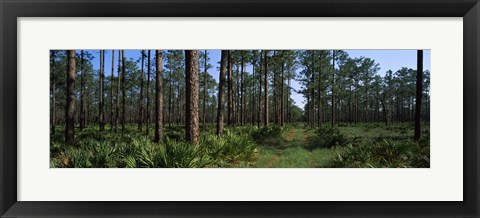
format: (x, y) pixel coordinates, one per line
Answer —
(221, 92)
(191, 100)
(102, 96)
(158, 98)
(418, 102)
(70, 108)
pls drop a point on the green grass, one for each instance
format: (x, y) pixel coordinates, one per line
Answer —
(293, 150)
(380, 145)
(292, 146)
(346, 146)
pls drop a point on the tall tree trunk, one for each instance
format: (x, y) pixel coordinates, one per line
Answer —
(221, 93)
(418, 102)
(350, 107)
(158, 98)
(179, 100)
(274, 88)
(254, 90)
(123, 91)
(131, 109)
(236, 97)
(102, 95)
(385, 111)
(52, 69)
(205, 89)
(265, 114)
(356, 102)
(70, 107)
(260, 84)
(87, 110)
(140, 101)
(367, 116)
(242, 92)
(191, 100)
(82, 92)
(147, 131)
(320, 92)
(119, 72)
(282, 112)
(230, 90)
(170, 91)
(333, 89)
(313, 114)
(111, 92)
(288, 95)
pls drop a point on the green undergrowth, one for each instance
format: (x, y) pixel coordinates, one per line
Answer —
(376, 145)
(291, 146)
(133, 149)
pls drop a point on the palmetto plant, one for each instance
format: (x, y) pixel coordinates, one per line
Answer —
(386, 153)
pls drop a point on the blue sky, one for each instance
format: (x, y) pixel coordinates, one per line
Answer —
(388, 60)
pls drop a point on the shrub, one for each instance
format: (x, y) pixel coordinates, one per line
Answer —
(229, 149)
(402, 128)
(170, 154)
(388, 154)
(266, 132)
(175, 154)
(134, 150)
(371, 126)
(175, 135)
(239, 148)
(76, 158)
(328, 136)
(55, 148)
(247, 131)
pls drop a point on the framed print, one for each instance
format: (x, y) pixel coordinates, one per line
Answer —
(226, 108)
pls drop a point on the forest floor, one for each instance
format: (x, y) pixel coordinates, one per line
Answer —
(295, 145)
(293, 150)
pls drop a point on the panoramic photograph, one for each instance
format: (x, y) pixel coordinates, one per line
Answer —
(239, 108)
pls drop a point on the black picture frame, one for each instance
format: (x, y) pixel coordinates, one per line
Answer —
(10, 10)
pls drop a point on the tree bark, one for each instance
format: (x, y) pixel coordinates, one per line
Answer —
(312, 97)
(289, 115)
(230, 90)
(82, 92)
(123, 91)
(265, 114)
(170, 77)
(333, 89)
(282, 95)
(205, 90)
(242, 92)
(236, 97)
(52, 69)
(274, 88)
(260, 96)
(221, 93)
(70, 108)
(320, 92)
(111, 92)
(102, 95)
(140, 101)
(158, 99)
(254, 89)
(418, 102)
(191, 100)
(119, 72)
(147, 131)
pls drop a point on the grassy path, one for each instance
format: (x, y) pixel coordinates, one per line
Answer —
(293, 150)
